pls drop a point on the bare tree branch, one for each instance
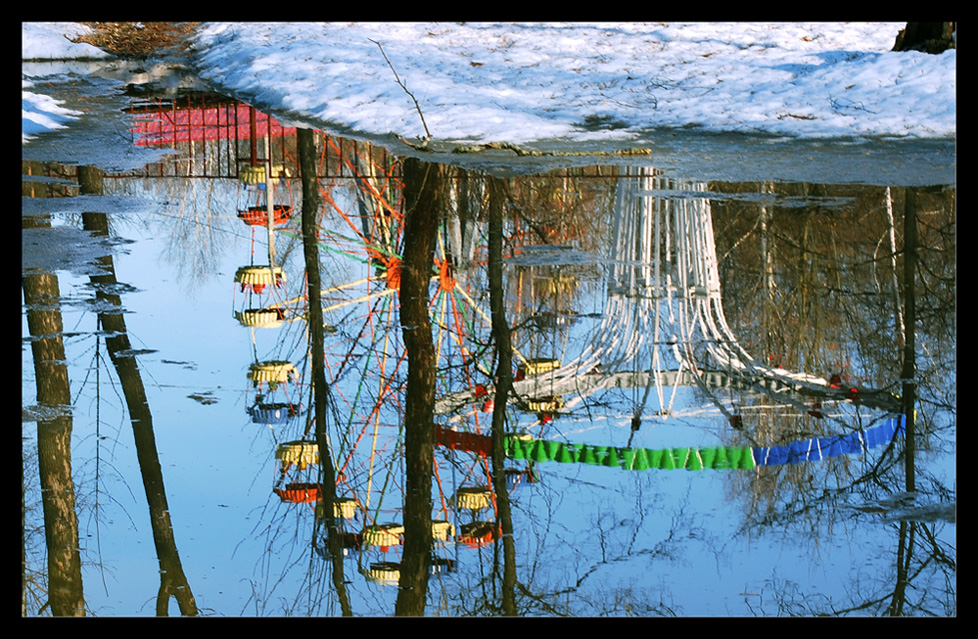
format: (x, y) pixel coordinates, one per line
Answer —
(397, 77)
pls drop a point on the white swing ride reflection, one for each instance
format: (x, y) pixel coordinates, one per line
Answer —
(662, 329)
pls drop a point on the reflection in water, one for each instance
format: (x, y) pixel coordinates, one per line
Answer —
(473, 382)
(173, 581)
(663, 326)
(504, 383)
(424, 205)
(64, 570)
(327, 478)
(65, 595)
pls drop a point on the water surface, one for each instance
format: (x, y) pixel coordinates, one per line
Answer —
(150, 358)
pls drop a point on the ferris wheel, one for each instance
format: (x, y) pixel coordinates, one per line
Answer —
(362, 230)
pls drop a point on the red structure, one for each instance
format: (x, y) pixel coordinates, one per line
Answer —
(258, 215)
(299, 493)
(472, 442)
(222, 122)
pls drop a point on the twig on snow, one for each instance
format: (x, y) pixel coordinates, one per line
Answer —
(398, 79)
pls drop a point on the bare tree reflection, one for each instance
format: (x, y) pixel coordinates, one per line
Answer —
(173, 581)
(424, 190)
(504, 383)
(844, 257)
(42, 299)
(812, 285)
(321, 391)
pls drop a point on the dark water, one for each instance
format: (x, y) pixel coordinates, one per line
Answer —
(707, 416)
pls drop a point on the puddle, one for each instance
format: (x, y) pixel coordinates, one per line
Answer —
(705, 360)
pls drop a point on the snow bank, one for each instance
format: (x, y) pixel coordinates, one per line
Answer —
(521, 83)
(52, 41)
(524, 83)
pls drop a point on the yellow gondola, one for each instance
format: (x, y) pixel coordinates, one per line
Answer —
(272, 372)
(258, 277)
(382, 535)
(473, 497)
(297, 453)
(252, 174)
(442, 530)
(545, 404)
(261, 317)
(384, 572)
(537, 366)
(343, 508)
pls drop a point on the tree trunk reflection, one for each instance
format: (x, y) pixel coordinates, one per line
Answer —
(504, 382)
(840, 262)
(423, 194)
(310, 245)
(910, 319)
(41, 299)
(173, 581)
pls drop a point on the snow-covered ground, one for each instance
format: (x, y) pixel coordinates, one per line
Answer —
(49, 41)
(524, 83)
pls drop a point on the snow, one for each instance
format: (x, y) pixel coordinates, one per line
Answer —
(49, 41)
(52, 41)
(41, 113)
(602, 83)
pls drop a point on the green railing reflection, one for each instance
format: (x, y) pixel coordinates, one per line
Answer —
(705, 458)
